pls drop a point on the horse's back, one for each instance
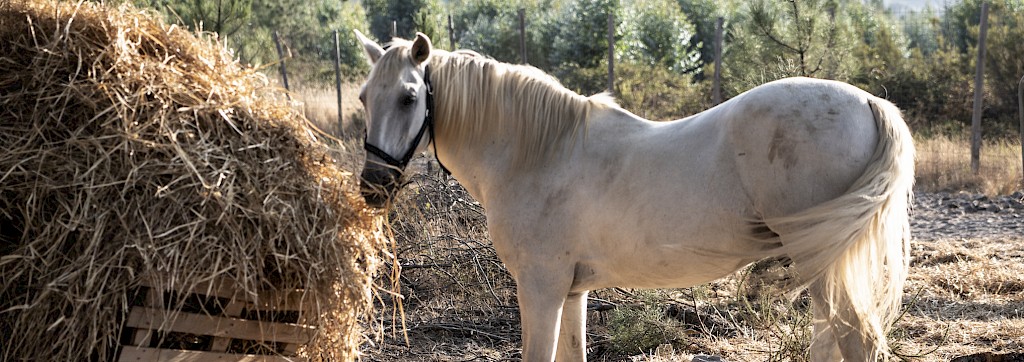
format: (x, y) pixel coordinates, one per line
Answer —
(799, 142)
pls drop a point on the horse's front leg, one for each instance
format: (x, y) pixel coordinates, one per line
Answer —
(541, 292)
(572, 337)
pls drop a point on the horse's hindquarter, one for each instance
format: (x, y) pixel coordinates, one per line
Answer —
(800, 142)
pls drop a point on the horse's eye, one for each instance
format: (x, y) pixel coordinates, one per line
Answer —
(408, 100)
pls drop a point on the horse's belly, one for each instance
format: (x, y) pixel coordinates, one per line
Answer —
(664, 237)
(659, 267)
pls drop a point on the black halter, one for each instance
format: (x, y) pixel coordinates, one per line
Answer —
(428, 125)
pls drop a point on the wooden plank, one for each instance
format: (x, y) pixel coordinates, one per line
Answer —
(291, 348)
(132, 354)
(155, 299)
(293, 300)
(221, 344)
(266, 300)
(141, 337)
(150, 318)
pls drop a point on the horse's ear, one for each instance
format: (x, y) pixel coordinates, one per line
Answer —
(373, 51)
(421, 48)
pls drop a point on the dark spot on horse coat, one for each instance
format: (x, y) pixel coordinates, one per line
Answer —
(782, 148)
(555, 201)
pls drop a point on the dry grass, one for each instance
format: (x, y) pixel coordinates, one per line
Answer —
(134, 151)
(970, 298)
(944, 164)
(320, 106)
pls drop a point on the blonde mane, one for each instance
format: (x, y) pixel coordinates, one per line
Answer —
(474, 100)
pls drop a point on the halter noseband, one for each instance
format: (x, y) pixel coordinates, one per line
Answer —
(428, 125)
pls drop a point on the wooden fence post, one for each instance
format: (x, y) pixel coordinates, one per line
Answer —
(979, 83)
(280, 57)
(716, 85)
(337, 82)
(522, 35)
(611, 53)
(1020, 107)
(451, 33)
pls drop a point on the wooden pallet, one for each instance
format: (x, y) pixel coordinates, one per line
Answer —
(225, 330)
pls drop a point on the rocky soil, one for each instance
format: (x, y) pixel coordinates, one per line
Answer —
(938, 216)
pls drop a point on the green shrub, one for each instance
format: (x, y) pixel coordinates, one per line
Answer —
(643, 327)
(650, 91)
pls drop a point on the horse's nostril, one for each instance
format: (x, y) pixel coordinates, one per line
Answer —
(378, 186)
(375, 199)
(375, 195)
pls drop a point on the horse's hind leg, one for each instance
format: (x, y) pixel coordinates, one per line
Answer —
(834, 337)
(824, 346)
(572, 336)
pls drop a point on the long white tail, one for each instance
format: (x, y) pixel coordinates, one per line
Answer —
(855, 247)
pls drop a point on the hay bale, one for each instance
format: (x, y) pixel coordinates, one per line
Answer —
(134, 151)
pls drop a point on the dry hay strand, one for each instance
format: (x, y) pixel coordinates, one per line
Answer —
(131, 150)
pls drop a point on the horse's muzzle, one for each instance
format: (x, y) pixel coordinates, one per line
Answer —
(378, 184)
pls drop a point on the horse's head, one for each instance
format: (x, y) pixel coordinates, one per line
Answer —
(396, 98)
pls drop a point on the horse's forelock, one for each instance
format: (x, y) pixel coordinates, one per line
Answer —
(395, 59)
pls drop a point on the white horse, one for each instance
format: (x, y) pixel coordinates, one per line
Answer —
(581, 194)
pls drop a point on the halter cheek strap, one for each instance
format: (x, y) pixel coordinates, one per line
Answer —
(408, 154)
(428, 124)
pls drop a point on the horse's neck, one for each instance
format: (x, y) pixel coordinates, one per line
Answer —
(488, 135)
(511, 106)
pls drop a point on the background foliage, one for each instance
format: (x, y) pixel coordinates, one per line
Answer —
(923, 61)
